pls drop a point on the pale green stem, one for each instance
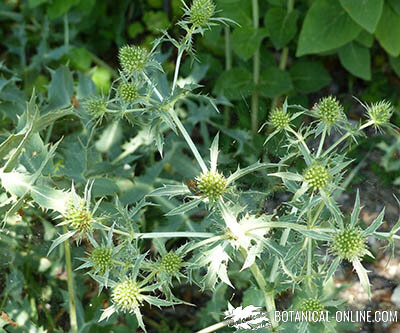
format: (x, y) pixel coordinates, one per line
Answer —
(317, 214)
(66, 30)
(204, 242)
(214, 327)
(228, 66)
(70, 282)
(309, 258)
(299, 137)
(344, 137)
(284, 56)
(321, 142)
(177, 66)
(268, 295)
(256, 72)
(188, 140)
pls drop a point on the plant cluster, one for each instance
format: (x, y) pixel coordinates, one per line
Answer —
(87, 183)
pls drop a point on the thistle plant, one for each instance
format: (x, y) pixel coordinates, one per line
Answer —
(230, 238)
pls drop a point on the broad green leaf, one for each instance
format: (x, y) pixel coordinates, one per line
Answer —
(110, 136)
(365, 38)
(61, 88)
(246, 40)
(388, 31)
(326, 26)
(395, 4)
(309, 76)
(103, 187)
(281, 26)
(274, 82)
(364, 12)
(234, 84)
(356, 59)
(395, 63)
(57, 8)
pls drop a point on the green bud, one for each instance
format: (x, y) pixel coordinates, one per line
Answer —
(78, 217)
(96, 106)
(279, 119)
(349, 244)
(132, 58)
(380, 113)
(171, 263)
(317, 176)
(126, 295)
(312, 305)
(329, 110)
(102, 258)
(211, 184)
(201, 11)
(128, 92)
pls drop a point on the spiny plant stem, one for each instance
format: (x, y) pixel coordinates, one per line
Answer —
(179, 124)
(268, 294)
(70, 282)
(321, 142)
(256, 73)
(177, 66)
(300, 138)
(282, 242)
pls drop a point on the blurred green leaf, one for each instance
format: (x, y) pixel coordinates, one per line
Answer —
(281, 25)
(326, 26)
(246, 40)
(356, 59)
(309, 76)
(388, 31)
(274, 82)
(364, 12)
(234, 84)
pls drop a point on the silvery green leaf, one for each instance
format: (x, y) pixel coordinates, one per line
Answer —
(287, 176)
(363, 276)
(182, 209)
(107, 313)
(332, 269)
(375, 224)
(157, 301)
(356, 210)
(318, 235)
(60, 240)
(251, 168)
(169, 191)
(214, 153)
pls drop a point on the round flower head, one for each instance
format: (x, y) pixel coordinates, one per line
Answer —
(77, 216)
(126, 295)
(349, 244)
(329, 110)
(279, 119)
(312, 305)
(201, 11)
(102, 259)
(96, 106)
(132, 58)
(128, 92)
(317, 176)
(171, 263)
(211, 184)
(380, 113)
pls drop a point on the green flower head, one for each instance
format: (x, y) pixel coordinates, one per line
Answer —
(349, 244)
(126, 295)
(201, 11)
(77, 216)
(279, 119)
(102, 259)
(311, 305)
(329, 110)
(211, 184)
(96, 106)
(171, 263)
(380, 113)
(317, 176)
(128, 92)
(132, 58)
